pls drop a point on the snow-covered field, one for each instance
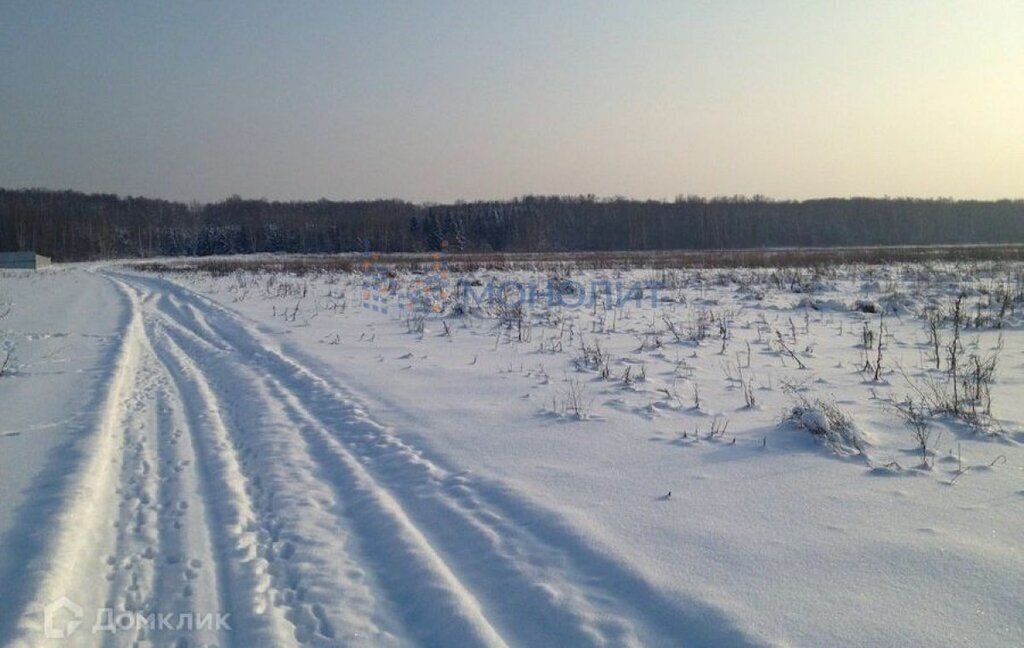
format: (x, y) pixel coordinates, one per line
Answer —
(260, 459)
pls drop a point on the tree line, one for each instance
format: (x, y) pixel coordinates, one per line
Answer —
(71, 226)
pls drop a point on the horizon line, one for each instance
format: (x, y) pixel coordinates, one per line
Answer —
(592, 197)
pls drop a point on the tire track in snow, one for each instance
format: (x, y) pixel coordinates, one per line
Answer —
(133, 538)
(244, 590)
(163, 534)
(157, 556)
(187, 575)
(513, 573)
(135, 543)
(512, 557)
(294, 542)
(165, 528)
(380, 534)
(475, 546)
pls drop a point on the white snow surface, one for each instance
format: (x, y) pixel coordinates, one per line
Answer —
(275, 449)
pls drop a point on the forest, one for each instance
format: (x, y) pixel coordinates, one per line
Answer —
(76, 226)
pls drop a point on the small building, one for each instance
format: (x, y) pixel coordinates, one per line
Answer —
(23, 261)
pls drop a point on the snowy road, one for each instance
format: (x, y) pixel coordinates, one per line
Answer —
(229, 479)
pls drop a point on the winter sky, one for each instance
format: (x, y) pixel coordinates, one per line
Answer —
(435, 101)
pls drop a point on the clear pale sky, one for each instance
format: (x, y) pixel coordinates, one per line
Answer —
(435, 101)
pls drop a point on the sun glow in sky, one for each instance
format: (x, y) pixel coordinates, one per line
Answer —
(436, 101)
